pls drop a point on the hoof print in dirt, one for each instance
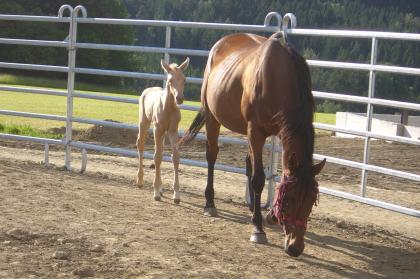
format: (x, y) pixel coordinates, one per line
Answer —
(98, 248)
(20, 234)
(84, 272)
(341, 224)
(61, 255)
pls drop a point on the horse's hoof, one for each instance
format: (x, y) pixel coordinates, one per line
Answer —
(210, 212)
(259, 238)
(177, 201)
(158, 198)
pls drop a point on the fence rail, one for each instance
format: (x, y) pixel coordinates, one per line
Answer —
(286, 24)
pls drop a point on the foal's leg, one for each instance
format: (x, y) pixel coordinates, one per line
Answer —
(256, 141)
(159, 135)
(141, 140)
(212, 149)
(173, 138)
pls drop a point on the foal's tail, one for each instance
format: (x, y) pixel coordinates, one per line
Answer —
(195, 127)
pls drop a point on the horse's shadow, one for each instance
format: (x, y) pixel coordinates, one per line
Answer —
(382, 260)
(378, 259)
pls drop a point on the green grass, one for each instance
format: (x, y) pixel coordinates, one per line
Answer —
(25, 81)
(325, 118)
(56, 105)
(26, 130)
(85, 108)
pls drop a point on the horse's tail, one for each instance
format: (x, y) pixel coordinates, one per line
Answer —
(194, 128)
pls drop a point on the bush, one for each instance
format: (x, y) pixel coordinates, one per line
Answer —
(329, 107)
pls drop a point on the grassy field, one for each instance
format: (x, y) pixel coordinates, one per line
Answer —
(56, 105)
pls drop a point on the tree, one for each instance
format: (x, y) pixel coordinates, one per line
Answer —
(58, 31)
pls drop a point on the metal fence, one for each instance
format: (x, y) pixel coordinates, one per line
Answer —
(286, 24)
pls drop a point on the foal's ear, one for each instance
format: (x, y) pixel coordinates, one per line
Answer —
(184, 64)
(317, 168)
(292, 164)
(165, 66)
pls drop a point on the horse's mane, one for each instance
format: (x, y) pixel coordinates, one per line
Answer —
(301, 125)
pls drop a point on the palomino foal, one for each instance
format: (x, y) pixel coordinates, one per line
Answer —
(160, 107)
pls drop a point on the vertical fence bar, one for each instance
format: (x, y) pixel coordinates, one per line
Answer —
(168, 38)
(70, 88)
(84, 161)
(272, 170)
(69, 55)
(369, 112)
(71, 80)
(46, 155)
(282, 24)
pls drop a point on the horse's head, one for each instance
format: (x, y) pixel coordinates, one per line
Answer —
(295, 196)
(176, 79)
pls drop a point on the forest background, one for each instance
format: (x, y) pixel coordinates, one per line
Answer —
(378, 15)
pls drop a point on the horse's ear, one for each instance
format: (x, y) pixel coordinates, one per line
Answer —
(292, 164)
(317, 168)
(165, 66)
(184, 64)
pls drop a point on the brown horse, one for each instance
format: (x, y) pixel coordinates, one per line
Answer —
(261, 87)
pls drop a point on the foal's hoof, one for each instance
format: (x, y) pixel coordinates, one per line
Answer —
(158, 198)
(177, 201)
(210, 212)
(259, 238)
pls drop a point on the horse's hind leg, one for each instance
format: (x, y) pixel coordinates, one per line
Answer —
(248, 164)
(173, 138)
(159, 135)
(141, 140)
(212, 149)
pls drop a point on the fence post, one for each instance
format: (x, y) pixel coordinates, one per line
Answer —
(70, 53)
(369, 112)
(70, 78)
(272, 169)
(168, 37)
(46, 155)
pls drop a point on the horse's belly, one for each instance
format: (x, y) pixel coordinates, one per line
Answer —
(226, 108)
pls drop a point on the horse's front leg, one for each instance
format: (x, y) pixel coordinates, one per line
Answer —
(141, 140)
(173, 138)
(159, 135)
(256, 142)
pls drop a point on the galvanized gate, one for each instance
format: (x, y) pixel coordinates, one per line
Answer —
(78, 16)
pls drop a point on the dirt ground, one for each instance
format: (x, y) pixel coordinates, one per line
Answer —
(60, 224)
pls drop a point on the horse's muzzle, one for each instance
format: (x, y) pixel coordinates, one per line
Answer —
(291, 250)
(179, 100)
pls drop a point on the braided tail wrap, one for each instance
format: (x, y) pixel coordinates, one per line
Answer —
(196, 125)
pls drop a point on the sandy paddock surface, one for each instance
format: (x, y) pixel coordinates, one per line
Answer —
(60, 224)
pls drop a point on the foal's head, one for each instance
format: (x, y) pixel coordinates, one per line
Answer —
(295, 196)
(176, 79)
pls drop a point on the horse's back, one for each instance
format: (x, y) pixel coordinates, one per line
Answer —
(222, 88)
